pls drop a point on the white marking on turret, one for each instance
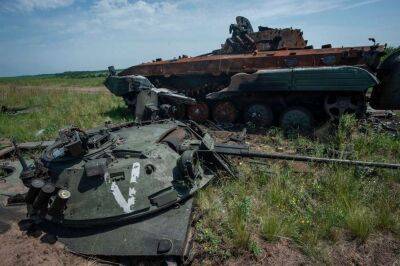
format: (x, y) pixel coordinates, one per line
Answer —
(135, 172)
(126, 205)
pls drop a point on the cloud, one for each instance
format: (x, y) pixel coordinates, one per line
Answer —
(362, 3)
(123, 14)
(183, 14)
(31, 5)
(96, 33)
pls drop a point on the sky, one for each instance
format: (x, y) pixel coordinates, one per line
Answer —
(52, 36)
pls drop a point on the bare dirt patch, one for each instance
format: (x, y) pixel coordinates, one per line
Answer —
(17, 248)
(381, 249)
(280, 253)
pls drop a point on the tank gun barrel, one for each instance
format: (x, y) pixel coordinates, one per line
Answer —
(301, 158)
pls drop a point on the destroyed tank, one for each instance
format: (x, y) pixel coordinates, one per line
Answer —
(247, 51)
(127, 188)
(294, 98)
(124, 191)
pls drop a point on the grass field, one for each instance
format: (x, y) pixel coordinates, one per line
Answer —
(312, 207)
(66, 79)
(52, 81)
(55, 109)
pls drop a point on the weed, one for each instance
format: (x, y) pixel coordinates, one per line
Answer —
(244, 208)
(208, 238)
(346, 131)
(271, 227)
(255, 249)
(360, 221)
(238, 218)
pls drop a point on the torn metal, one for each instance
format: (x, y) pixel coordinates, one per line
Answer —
(7, 151)
(16, 110)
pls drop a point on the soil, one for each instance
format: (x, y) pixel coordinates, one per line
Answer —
(19, 248)
(279, 253)
(382, 249)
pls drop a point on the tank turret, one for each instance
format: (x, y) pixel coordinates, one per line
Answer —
(245, 40)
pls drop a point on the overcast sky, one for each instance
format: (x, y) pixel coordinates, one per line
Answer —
(49, 36)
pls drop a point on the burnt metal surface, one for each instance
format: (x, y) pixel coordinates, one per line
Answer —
(147, 101)
(231, 64)
(247, 52)
(268, 49)
(25, 146)
(245, 40)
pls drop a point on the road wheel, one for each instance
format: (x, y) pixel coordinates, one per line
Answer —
(224, 113)
(198, 112)
(297, 120)
(336, 106)
(180, 111)
(259, 115)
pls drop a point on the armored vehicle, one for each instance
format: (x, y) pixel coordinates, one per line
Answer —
(127, 188)
(306, 97)
(301, 98)
(247, 51)
(124, 190)
(298, 97)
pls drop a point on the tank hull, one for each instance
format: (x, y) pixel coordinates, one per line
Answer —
(197, 76)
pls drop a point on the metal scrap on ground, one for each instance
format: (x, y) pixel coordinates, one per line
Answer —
(17, 110)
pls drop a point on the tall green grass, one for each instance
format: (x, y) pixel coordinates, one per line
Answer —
(53, 81)
(310, 205)
(65, 79)
(55, 109)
